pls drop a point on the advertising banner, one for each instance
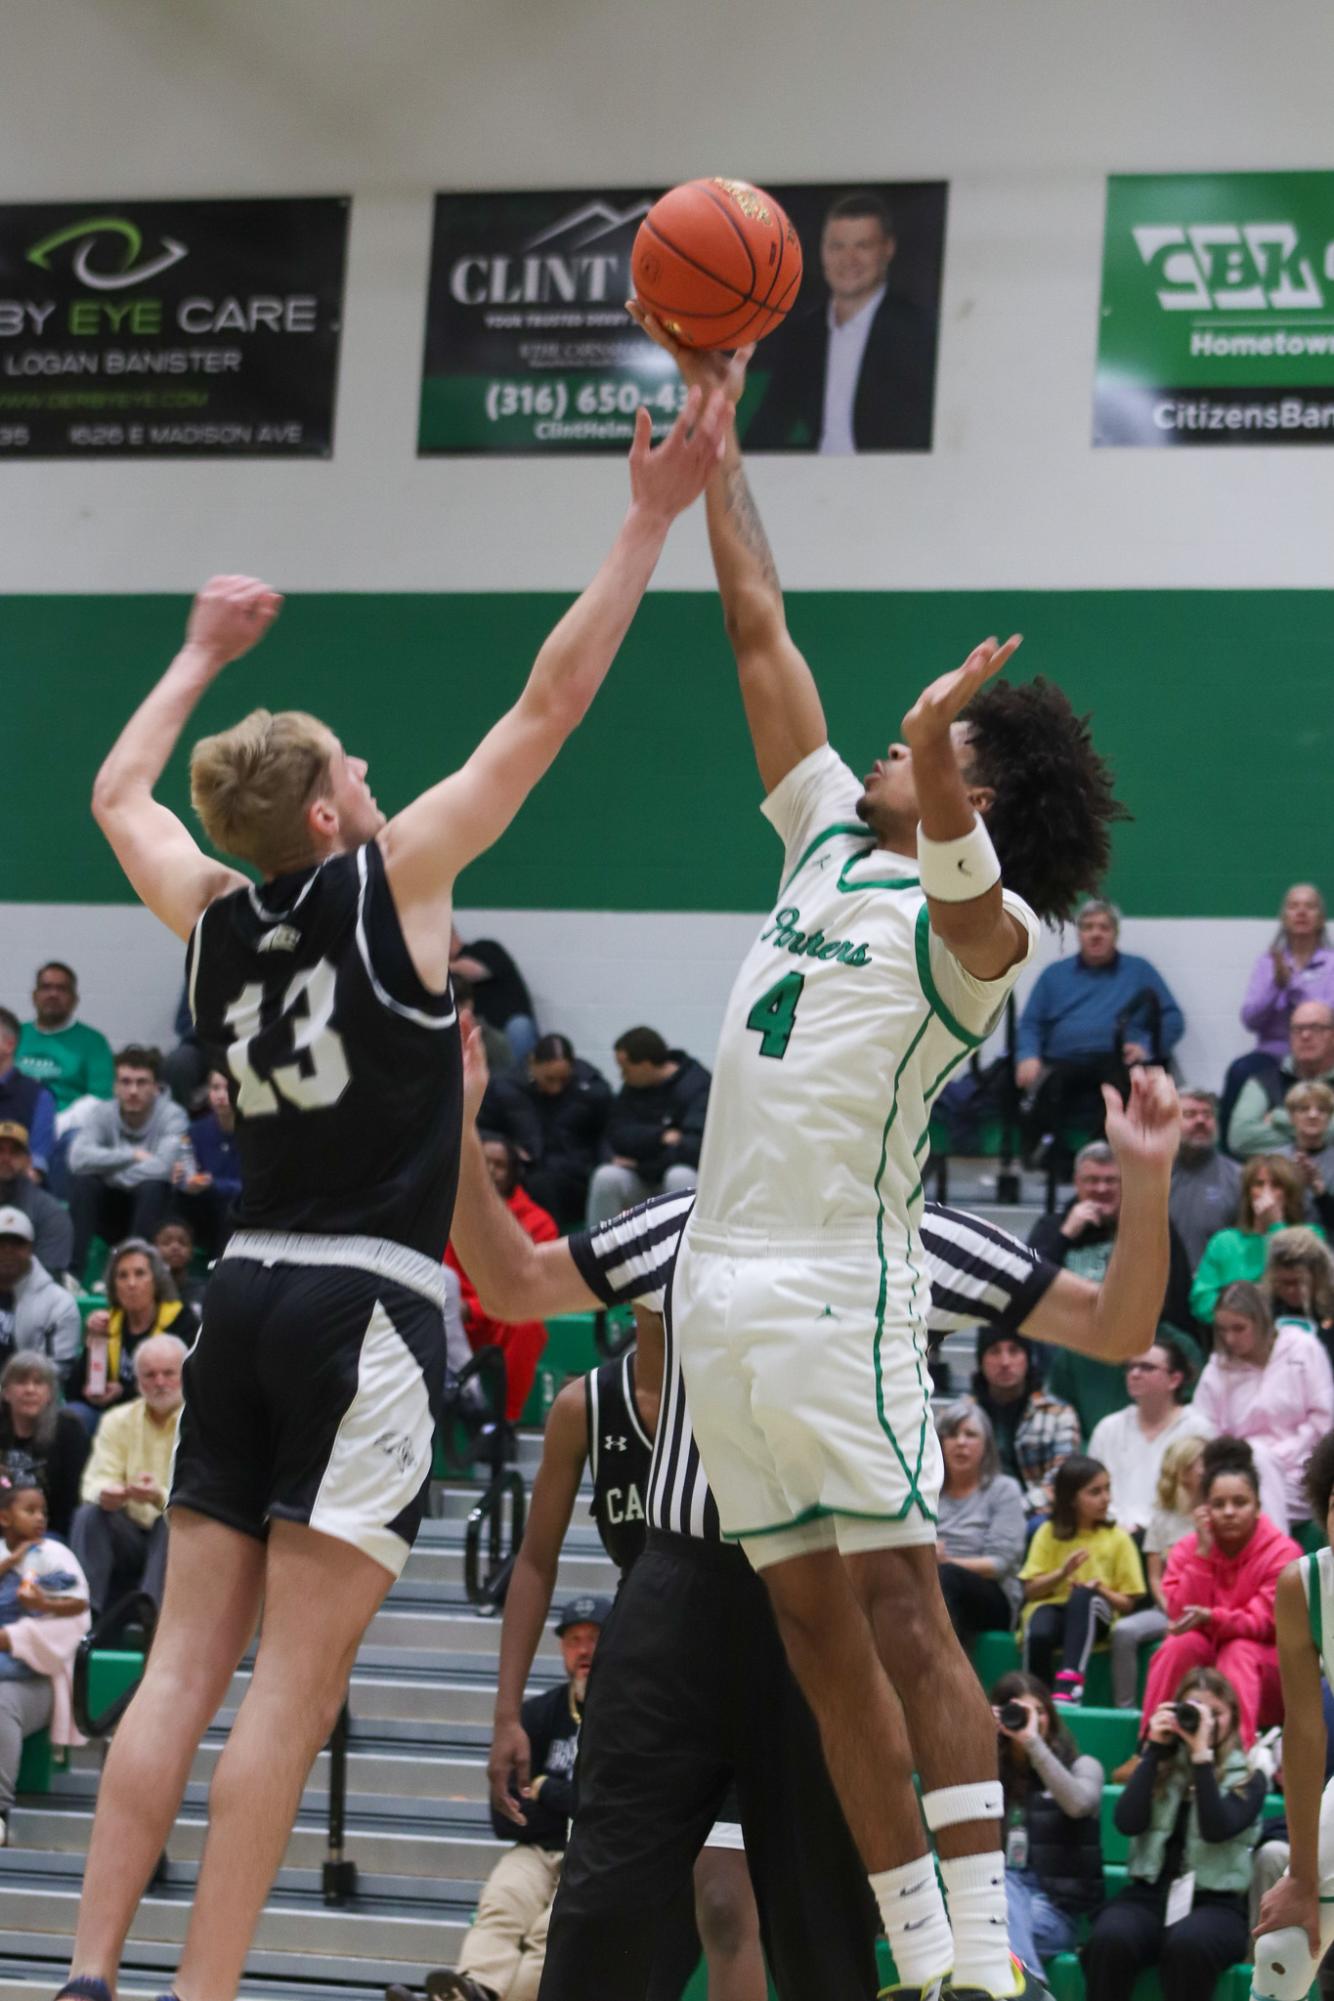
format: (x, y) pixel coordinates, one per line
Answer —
(1217, 323)
(529, 350)
(170, 329)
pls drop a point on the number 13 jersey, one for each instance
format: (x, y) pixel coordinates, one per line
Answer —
(846, 1019)
(346, 1071)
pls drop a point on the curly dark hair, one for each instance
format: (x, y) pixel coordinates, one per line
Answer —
(1319, 1479)
(1054, 805)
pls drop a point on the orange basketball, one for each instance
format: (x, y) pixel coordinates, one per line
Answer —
(717, 262)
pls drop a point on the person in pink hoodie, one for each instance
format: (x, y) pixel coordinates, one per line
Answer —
(1218, 1589)
(1271, 1386)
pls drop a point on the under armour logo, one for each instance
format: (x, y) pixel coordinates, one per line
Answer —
(611, 1444)
(283, 938)
(402, 1451)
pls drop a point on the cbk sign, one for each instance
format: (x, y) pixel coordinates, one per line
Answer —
(1217, 321)
(170, 329)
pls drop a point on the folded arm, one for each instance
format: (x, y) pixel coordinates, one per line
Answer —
(167, 869)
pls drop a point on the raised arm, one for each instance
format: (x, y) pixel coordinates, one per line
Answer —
(167, 869)
(515, 1278)
(427, 845)
(778, 690)
(1119, 1318)
(980, 932)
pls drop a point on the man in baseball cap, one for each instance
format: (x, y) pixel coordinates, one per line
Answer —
(53, 1232)
(587, 1610)
(35, 1312)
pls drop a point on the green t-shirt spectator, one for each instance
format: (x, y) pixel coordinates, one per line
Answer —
(73, 1062)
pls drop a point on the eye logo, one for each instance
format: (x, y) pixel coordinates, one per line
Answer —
(107, 236)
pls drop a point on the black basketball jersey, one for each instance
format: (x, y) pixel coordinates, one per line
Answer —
(346, 1071)
(619, 1455)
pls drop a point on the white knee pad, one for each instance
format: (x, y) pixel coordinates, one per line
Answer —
(1284, 1968)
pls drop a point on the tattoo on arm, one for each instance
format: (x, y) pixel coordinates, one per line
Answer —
(745, 516)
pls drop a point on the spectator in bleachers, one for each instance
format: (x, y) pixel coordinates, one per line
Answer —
(53, 1233)
(1206, 1184)
(1218, 1589)
(41, 1587)
(499, 994)
(1310, 1106)
(1034, 1432)
(174, 1242)
(1081, 1240)
(207, 1174)
(23, 1101)
(556, 1117)
(1298, 966)
(185, 1069)
(1053, 1803)
(980, 1526)
(123, 1153)
(120, 1527)
(1272, 1198)
(520, 1341)
(654, 1127)
(36, 1312)
(504, 1952)
(498, 1058)
(1298, 1283)
(62, 1052)
(1191, 1808)
(1260, 1121)
(142, 1302)
(38, 1436)
(1178, 1504)
(1088, 1018)
(1131, 1442)
(1081, 1573)
(1271, 1386)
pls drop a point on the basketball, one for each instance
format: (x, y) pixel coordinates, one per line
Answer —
(717, 262)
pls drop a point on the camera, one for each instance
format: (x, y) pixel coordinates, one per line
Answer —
(1014, 1715)
(1188, 1715)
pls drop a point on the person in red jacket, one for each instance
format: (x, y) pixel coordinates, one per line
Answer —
(1218, 1589)
(520, 1341)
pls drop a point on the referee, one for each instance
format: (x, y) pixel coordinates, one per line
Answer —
(691, 1689)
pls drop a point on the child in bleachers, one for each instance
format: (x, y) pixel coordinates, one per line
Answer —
(1081, 1573)
(1191, 1808)
(1178, 1498)
(40, 1580)
(1053, 1844)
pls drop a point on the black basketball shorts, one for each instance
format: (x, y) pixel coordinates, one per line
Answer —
(313, 1389)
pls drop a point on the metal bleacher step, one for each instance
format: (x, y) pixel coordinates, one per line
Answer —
(417, 1821)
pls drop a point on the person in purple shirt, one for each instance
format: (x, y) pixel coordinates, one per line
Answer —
(1298, 966)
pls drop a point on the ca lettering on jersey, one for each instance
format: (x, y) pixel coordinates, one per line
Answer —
(624, 1504)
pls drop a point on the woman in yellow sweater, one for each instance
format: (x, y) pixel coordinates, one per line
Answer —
(1081, 1573)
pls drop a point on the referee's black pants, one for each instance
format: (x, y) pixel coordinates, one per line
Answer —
(690, 1691)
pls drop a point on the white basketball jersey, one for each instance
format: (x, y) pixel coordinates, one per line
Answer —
(847, 1018)
(1318, 1583)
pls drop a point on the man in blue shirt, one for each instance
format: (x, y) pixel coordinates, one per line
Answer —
(1088, 1019)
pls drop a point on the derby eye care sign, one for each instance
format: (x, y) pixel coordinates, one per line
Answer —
(1217, 324)
(170, 329)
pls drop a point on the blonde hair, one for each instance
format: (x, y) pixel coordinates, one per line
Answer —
(1310, 1093)
(1298, 1248)
(1180, 1455)
(251, 785)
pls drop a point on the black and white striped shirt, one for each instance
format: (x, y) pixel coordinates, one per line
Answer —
(979, 1276)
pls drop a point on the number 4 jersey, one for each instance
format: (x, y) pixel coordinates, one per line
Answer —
(846, 1019)
(346, 1071)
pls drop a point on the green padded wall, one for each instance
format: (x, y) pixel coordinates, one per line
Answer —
(1214, 705)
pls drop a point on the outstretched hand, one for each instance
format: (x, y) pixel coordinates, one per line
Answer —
(929, 718)
(1291, 1905)
(229, 616)
(705, 368)
(1146, 1129)
(670, 477)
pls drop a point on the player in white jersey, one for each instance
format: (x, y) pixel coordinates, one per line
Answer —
(1296, 1925)
(800, 1293)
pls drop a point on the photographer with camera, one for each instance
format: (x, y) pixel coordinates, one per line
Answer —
(1053, 1836)
(1192, 1809)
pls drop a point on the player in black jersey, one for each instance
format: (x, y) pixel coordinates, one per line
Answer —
(692, 1634)
(324, 992)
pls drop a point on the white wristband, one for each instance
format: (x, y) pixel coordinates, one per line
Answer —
(957, 871)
